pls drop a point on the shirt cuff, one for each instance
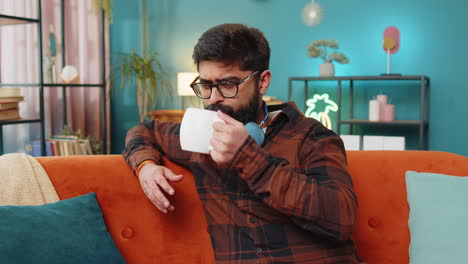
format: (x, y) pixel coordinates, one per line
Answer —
(136, 158)
(138, 168)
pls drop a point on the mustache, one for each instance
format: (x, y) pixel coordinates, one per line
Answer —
(244, 114)
(223, 108)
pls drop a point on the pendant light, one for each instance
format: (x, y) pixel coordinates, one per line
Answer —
(312, 14)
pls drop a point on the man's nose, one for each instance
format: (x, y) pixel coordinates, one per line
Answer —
(216, 96)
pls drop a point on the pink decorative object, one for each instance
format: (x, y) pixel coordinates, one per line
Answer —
(382, 98)
(388, 113)
(394, 33)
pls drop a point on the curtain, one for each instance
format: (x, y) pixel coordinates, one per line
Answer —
(19, 64)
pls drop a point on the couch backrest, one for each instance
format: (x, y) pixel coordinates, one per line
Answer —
(382, 233)
(144, 235)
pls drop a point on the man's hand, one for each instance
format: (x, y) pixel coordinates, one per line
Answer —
(227, 138)
(154, 179)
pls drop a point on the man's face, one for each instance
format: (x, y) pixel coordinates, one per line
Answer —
(244, 107)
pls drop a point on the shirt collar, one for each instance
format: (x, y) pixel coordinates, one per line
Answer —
(289, 110)
(267, 114)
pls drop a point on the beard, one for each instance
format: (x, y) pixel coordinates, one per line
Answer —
(244, 114)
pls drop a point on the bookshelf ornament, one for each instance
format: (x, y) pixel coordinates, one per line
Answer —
(49, 57)
(69, 74)
(322, 116)
(391, 44)
(321, 49)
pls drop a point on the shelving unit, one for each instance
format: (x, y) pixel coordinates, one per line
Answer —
(7, 20)
(422, 123)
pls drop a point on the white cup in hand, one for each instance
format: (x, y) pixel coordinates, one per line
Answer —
(196, 130)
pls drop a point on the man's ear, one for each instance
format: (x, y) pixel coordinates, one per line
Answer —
(264, 82)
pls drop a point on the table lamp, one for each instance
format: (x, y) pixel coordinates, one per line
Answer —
(184, 79)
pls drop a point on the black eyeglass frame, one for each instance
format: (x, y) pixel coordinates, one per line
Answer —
(212, 85)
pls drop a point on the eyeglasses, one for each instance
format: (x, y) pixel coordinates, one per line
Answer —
(227, 89)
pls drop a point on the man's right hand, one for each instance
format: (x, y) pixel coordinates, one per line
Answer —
(154, 179)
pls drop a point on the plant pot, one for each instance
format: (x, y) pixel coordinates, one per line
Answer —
(327, 69)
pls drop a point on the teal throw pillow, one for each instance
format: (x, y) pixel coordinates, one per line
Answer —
(438, 219)
(69, 231)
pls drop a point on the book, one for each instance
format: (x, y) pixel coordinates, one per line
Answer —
(9, 108)
(86, 147)
(10, 92)
(11, 99)
(34, 149)
(274, 102)
(4, 106)
(271, 100)
(62, 145)
(55, 147)
(9, 114)
(70, 144)
(50, 147)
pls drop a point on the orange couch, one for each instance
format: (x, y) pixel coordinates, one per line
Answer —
(144, 235)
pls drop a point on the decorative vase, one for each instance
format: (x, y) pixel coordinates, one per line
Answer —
(327, 69)
(48, 63)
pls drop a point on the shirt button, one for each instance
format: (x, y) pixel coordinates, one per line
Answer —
(252, 220)
(259, 250)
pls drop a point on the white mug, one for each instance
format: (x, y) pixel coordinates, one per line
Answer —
(196, 129)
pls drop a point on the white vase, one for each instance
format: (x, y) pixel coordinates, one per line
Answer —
(327, 69)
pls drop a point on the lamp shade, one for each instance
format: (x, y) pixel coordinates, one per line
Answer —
(184, 79)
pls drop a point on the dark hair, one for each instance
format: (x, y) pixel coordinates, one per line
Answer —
(234, 43)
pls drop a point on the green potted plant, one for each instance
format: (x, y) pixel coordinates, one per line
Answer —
(319, 48)
(149, 77)
(145, 70)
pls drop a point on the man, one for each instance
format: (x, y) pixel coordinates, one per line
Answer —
(289, 200)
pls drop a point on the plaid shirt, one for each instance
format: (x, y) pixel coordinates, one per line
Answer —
(291, 201)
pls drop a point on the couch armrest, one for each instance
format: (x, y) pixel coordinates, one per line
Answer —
(140, 231)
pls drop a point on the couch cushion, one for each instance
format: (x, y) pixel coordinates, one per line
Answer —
(68, 231)
(438, 216)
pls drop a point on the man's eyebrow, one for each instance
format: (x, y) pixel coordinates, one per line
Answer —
(229, 78)
(203, 80)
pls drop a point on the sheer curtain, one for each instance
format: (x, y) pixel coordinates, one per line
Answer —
(19, 64)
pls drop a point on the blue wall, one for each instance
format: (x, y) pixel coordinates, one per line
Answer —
(433, 43)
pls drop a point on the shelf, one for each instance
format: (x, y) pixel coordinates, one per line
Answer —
(52, 85)
(361, 78)
(73, 85)
(342, 82)
(39, 83)
(390, 123)
(6, 20)
(19, 84)
(18, 121)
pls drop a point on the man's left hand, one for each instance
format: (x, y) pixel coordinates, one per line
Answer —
(227, 138)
